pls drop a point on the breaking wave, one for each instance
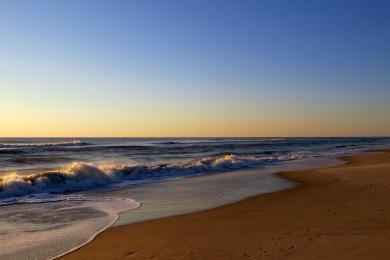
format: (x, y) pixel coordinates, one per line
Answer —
(82, 176)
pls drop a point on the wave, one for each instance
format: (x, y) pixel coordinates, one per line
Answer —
(48, 144)
(11, 151)
(38, 159)
(45, 197)
(81, 176)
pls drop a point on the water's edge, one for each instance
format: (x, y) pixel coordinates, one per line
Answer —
(145, 206)
(243, 180)
(184, 196)
(97, 233)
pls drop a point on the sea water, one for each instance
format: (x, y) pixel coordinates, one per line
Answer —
(57, 194)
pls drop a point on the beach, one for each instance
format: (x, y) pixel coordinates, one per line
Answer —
(338, 212)
(194, 130)
(58, 194)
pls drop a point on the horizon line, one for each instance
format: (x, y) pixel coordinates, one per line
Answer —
(138, 137)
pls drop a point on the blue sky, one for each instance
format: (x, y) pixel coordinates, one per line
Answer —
(194, 68)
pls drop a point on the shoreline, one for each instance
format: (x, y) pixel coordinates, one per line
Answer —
(266, 177)
(115, 219)
(92, 217)
(116, 242)
(176, 197)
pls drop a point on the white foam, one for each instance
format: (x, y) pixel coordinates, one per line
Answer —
(82, 176)
(54, 229)
(31, 232)
(65, 143)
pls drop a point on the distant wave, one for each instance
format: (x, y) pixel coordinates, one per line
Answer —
(170, 142)
(48, 144)
(38, 159)
(81, 176)
(11, 151)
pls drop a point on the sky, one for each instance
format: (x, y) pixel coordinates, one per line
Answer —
(144, 68)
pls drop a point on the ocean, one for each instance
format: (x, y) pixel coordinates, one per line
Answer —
(31, 166)
(56, 194)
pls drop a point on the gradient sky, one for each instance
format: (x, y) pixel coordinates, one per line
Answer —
(194, 68)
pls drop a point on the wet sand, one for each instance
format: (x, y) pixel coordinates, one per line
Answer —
(339, 212)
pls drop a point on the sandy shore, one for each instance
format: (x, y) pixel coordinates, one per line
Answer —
(340, 212)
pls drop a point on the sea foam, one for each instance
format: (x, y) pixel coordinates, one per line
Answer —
(82, 176)
(54, 229)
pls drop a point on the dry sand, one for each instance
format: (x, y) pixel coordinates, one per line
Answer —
(340, 212)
